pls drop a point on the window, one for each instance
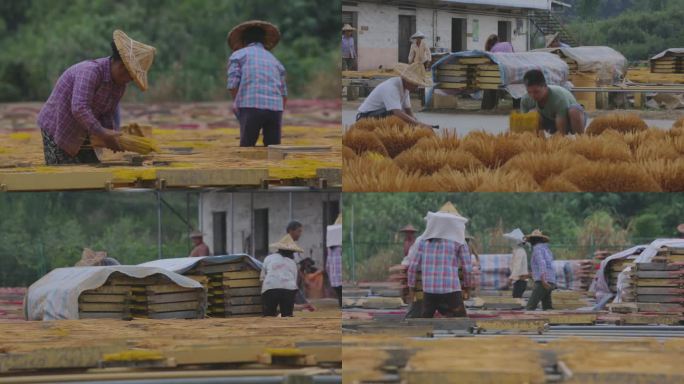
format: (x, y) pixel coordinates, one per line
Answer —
(219, 232)
(261, 233)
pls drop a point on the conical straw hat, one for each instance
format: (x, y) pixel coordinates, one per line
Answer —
(537, 234)
(449, 208)
(90, 258)
(270, 41)
(338, 221)
(408, 228)
(195, 234)
(348, 27)
(414, 73)
(287, 244)
(136, 56)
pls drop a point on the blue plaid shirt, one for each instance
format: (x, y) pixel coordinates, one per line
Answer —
(259, 78)
(439, 261)
(542, 263)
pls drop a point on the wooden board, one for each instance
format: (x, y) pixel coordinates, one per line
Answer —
(164, 288)
(238, 292)
(212, 177)
(452, 67)
(101, 307)
(441, 72)
(452, 85)
(659, 291)
(242, 274)
(243, 283)
(452, 79)
(496, 74)
(475, 60)
(659, 298)
(109, 289)
(488, 80)
(94, 298)
(658, 283)
(173, 297)
(655, 274)
(169, 307)
(244, 300)
(488, 86)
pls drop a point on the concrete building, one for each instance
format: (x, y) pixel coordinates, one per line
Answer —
(383, 27)
(228, 220)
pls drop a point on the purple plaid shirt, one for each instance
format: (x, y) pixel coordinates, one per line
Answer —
(334, 266)
(439, 261)
(82, 103)
(259, 78)
(542, 263)
(348, 50)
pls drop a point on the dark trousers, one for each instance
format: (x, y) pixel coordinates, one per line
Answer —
(447, 304)
(348, 64)
(55, 155)
(519, 288)
(254, 120)
(275, 299)
(338, 291)
(539, 293)
(377, 114)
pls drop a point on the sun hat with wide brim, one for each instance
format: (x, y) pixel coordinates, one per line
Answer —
(286, 244)
(196, 234)
(414, 74)
(136, 56)
(537, 234)
(418, 35)
(550, 39)
(680, 228)
(270, 40)
(348, 27)
(408, 228)
(90, 258)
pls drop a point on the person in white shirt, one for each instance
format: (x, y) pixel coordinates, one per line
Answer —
(279, 278)
(419, 52)
(518, 263)
(392, 96)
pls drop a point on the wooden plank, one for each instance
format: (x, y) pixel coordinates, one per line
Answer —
(441, 72)
(168, 288)
(174, 297)
(453, 67)
(242, 274)
(171, 307)
(212, 177)
(655, 274)
(109, 290)
(489, 74)
(217, 355)
(488, 86)
(65, 357)
(55, 181)
(93, 298)
(101, 307)
(659, 298)
(488, 80)
(238, 292)
(243, 283)
(657, 283)
(452, 79)
(452, 85)
(492, 67)
(172, 315)
(656, 267)
(244, 300)
(475, 60)
(660, 307)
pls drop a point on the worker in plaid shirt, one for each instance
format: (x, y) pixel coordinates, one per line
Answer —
(439, 260)
(84, 104)
(543, 273)
(256, 80)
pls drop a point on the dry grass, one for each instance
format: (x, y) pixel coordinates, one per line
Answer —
(446, 140)
(558, 184)
(422, 162)
(492, 151)
(361, 141)
(668, 173)
(660, 149)
(599, 148)
(622, 122)
(348, 153)
(597, 176)
(397, 139)
(635, 140)
(373, 124)
(679, 123)
(370, 173)
(447, 179)
(500, 180)
(543, 165)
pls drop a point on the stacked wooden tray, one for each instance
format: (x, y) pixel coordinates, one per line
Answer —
(234, 288)
(470, 73)
(613, 270)
(670, 63)
(156, 297)
(658, 286)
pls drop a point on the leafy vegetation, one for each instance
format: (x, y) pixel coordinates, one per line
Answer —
(41, 38)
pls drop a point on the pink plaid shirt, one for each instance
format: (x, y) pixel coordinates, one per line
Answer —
(439, 261)
(83, 102)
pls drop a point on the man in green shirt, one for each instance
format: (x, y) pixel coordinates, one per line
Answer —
(559, 110)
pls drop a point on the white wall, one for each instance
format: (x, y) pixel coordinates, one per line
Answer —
(378, 31)
(307, 208)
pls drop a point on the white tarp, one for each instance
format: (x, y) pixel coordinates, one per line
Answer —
(678, 51)
(609, 64)
(183, 264)
(55, 295)
(334, 235)
(649, 252)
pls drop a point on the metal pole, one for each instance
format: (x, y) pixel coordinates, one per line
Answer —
(159, 226)
(232, 223)
(353, 251)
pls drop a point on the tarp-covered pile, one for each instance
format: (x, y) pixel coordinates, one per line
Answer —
(608, 64)
(232, 281)
(494, 271)
(118, 292)
(668, 61)
(475, 70)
